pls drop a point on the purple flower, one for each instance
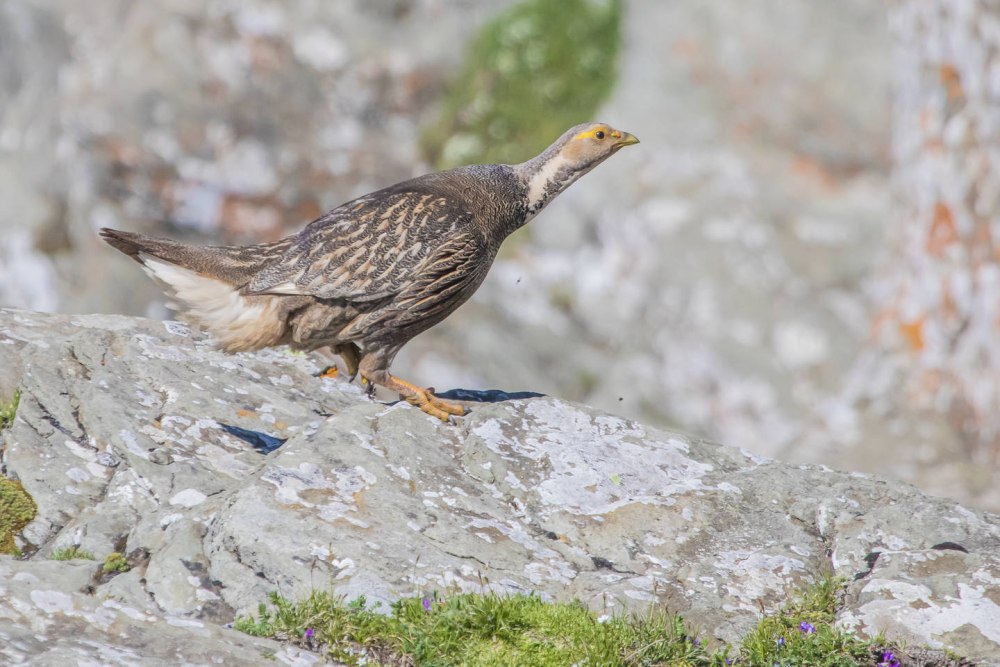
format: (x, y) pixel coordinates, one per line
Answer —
(888, 660)
(697, 642)
(781, 641)
(309, 634)
(427, 604)
(807, 628)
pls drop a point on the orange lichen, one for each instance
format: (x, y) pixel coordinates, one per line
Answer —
(814, 172)
(913, 333)
(952, 81)
(943, 232)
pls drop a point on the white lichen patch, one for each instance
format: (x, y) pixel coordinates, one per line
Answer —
(188, 498)
(365, 440)
(549, 572)
(308, 486)
(924, 615)
(753, 575)
(52, 602)
(128, 438)
(593, 465)
(78, 475)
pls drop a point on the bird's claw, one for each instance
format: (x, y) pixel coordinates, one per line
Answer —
(436, 407)
(329, 373)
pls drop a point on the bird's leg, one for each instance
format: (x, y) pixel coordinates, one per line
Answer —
(351, 355)
(418, 396)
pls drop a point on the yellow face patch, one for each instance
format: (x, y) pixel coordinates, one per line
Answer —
(592, 132)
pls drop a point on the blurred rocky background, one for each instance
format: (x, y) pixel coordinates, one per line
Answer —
(799, 259)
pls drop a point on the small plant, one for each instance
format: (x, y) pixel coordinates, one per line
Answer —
(472, 629)
(493, 630)
(8, 409)
(803, 633)
(71, 553)
(115, 562)
(17, 509)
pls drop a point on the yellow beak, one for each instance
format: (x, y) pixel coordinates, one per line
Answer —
(627, 140)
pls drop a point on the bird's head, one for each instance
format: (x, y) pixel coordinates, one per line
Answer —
(585, 146)
(576, 152)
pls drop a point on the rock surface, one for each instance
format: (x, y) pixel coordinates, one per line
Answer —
(745, 225)
(136, 436)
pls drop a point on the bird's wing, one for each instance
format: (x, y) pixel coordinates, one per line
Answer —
(440, 285)
(366, 250)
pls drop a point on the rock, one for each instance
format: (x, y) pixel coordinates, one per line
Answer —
(135, 436)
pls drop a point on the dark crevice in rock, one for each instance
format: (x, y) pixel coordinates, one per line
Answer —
(85, 370)
(603, 563)
(53, 421)
(870, 561)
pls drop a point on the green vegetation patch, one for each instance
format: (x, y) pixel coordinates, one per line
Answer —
(17, 509)
(803, 633)
(531, 73)
(8, 409)
(71, 553)
(115, 562)
(472, 629)
(494, 631)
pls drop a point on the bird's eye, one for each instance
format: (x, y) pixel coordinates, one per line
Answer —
(599, 134)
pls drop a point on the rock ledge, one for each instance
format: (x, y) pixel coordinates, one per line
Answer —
(135, 436)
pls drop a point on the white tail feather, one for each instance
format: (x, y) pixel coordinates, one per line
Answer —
(238, 322)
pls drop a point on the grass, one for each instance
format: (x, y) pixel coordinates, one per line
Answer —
(9, 409)
(115, 562)
(17, 508)
(803, 633)
(494, 631)
(71, 553)
(531, 73)
(472, 629)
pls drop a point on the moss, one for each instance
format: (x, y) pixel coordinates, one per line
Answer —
(9, 409)
(115, 562)
(71, 553)
(531, 73)
(17, 509)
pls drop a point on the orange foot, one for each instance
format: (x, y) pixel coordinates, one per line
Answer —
(330, 372)
(422, 398)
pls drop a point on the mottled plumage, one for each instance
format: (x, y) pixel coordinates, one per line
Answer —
(372, 273)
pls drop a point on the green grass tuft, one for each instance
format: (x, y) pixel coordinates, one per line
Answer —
(17, 509)
(472, 629)
(803, 633)
(494, 631)
(531, 73)
(71, 553)
(115, 562)
(9, 409)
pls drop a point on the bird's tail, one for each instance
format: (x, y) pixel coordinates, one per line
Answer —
(204, 283)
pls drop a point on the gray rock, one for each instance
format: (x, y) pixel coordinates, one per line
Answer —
(533, 494)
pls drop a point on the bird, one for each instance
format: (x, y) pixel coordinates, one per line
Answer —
(371, 274)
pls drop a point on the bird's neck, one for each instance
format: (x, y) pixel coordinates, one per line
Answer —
(544, 177)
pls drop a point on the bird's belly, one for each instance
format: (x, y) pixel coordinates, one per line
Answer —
(320, 323)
